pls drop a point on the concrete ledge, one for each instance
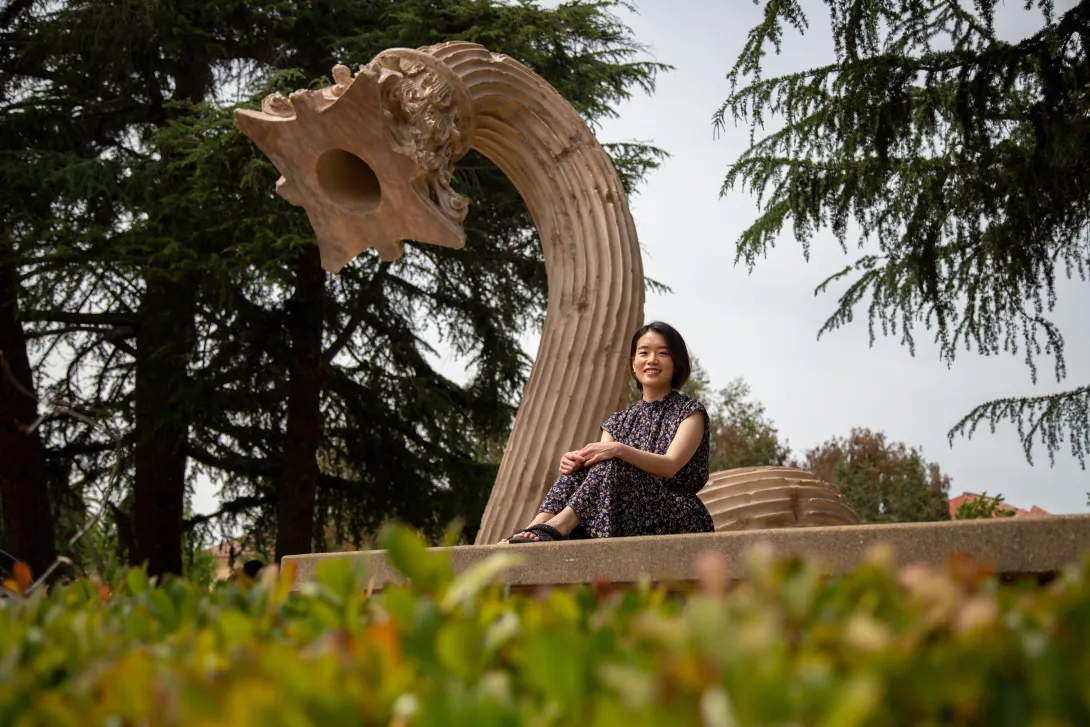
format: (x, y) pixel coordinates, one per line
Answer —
(1035, 547)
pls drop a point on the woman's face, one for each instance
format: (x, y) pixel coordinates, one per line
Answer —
(653, 364)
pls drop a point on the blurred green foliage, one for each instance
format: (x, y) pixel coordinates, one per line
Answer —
(790, 646)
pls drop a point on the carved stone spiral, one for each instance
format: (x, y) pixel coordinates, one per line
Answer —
(404, 120)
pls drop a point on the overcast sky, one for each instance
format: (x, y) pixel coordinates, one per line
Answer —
(763, 327)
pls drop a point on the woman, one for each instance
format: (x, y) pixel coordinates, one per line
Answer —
(642, 476)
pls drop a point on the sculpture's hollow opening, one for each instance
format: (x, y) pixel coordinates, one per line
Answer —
(348, 180)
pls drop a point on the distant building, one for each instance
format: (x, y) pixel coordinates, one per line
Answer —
(956, 502)
(226, 552)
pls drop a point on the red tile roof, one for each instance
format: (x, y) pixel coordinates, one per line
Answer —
(225, 549)
(955, 503)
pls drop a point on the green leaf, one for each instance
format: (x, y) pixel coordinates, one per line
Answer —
(856, 703)
(342, 577)
(136, 581)
(473, 580)
(236, 627)
(425, 569)
(460, 647)
(553, 662)
(164, 609)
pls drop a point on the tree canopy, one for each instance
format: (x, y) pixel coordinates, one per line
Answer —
(961, 158)
(885, 482)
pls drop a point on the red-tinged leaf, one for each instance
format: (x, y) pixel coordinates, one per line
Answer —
(23, 577)
(967, 570)
(386, 641)
(602, 588)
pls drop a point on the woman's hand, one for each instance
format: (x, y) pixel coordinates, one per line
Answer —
(596, 452)
(570, 462)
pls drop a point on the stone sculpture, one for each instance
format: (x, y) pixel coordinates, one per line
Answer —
(370, 159)
(752, 498)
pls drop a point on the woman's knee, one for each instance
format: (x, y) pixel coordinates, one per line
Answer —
(601, 468)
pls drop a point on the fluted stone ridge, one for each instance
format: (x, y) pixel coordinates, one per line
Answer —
(593, 263)
(754, 498)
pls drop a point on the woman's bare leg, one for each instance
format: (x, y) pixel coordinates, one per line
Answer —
(565, 521)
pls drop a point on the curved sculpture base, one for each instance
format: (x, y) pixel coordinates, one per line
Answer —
(754, 498)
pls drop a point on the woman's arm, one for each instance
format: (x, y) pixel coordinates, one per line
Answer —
(681, 450)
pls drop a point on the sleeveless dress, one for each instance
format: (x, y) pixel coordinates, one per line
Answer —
(615, 499)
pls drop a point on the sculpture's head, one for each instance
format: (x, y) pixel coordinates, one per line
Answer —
(370, 157)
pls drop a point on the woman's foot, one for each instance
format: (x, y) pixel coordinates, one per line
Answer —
(540, 519)
(561, 524)
(538, 534)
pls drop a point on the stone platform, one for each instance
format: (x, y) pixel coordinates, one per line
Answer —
(1012, 547)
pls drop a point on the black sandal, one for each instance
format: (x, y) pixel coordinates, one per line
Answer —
(514, 537)
(544, 533)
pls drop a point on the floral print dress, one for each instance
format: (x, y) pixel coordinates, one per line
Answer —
(615, 499)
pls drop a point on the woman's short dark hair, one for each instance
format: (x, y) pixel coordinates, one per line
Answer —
(679, 352)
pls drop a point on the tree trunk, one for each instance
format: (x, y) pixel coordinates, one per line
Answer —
(24, 495)
(299, 480)
(164, 340)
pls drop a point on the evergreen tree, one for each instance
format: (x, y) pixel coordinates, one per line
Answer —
(963, 160)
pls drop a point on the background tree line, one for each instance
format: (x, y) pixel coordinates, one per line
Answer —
(885, 481)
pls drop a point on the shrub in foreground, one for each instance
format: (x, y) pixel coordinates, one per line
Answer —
(880, 646)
